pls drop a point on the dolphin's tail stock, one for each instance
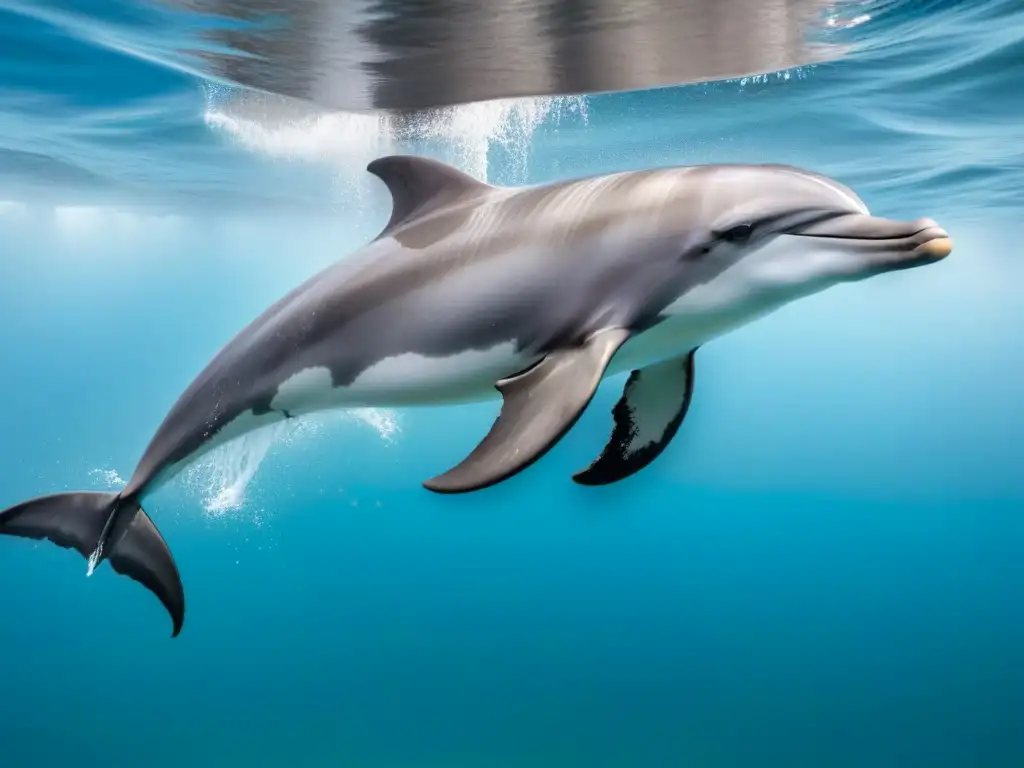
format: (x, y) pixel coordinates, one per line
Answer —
(104, 526)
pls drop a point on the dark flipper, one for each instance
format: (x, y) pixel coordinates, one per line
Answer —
(102, 526)
(538, 408)
(654, 403)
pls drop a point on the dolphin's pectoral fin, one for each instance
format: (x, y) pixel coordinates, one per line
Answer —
(654, 403)
(538, 407)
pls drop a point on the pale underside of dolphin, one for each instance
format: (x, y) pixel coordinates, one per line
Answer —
(532, 294)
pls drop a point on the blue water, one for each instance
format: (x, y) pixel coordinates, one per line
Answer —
(824, 570)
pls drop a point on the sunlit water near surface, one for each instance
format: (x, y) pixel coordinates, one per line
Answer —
(825, 568)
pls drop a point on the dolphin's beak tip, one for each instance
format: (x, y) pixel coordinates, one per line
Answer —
(936, 248)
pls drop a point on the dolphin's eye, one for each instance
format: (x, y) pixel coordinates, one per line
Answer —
(738, 234)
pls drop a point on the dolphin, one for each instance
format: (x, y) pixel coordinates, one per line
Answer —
(534, 294)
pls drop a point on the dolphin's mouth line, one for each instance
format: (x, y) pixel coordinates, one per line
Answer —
(929, 242)
(871, 239)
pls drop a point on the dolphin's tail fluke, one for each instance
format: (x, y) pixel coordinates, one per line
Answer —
(103, 526)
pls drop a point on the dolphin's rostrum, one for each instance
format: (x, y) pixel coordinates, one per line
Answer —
(536, 294)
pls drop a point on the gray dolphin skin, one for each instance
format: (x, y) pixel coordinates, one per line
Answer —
(533, 294)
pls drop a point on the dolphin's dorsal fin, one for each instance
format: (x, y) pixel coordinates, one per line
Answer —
(419, 185)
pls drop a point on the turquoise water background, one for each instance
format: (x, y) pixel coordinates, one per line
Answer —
(823, 571)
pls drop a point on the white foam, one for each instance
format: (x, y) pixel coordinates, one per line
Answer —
(348, 141)
(225, 473)
(385, 422)
(336, 138)
(224, 476)
(834, 20)
(108, 477)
